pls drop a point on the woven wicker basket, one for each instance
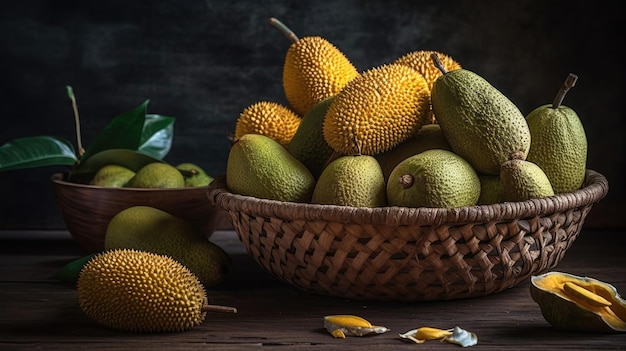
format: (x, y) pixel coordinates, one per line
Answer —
(408, 254)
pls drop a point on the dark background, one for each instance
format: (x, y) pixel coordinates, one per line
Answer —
(203, 62)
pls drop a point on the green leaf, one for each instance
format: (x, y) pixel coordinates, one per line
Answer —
(158, 132)
(123, 132)
(38, 151)
(71, 271)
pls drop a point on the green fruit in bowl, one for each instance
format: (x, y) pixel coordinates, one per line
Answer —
(157, 175)
(112, 176)
(194, 175)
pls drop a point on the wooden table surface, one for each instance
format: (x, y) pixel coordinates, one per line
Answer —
(38, 313)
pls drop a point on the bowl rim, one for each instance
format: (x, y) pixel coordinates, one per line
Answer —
(60, 179)
(594, 189)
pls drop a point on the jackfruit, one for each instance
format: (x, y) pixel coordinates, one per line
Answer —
(433, 178)
(138, 291)
(422, 62)
(259, 166)
(491, 190)
(194, 175)
(112, 175)
(308, 144)
(377, 110)
(314, 69)
(481, 124)
(428, 137)
(576, 303)
(151, 229)
(523, 180)
(268, 118)
(558, 142)
(157, 175)
(355, 181)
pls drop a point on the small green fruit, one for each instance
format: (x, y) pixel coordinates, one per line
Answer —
(157, 175)
(433, 178)
(194, 175)
(261, 167)
(112, 176)
(559, 142)
(355, 181)
(524, 180)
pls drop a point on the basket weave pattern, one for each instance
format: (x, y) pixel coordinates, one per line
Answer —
(408, 254)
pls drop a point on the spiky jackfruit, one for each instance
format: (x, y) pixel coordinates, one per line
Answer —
(314, 69)
(422, 62)
(270, 119)
(139, 291)
(377, 110)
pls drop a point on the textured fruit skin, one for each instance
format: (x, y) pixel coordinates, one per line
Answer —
(566, 313)
(558, 146)
(157, 175)
(422, 62)
(261, 167)
(200, 178)
(523, 180)
(139, 291)
(314, 70)
(491, 190)
(428, 137)
(112, 176)
(150, 229)
(355, 181)
(308, 144)
(268, 118)
(481, 124)
(377, 110)
(441, 179)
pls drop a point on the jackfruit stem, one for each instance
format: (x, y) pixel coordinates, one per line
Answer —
(570, 81)
(438, 63)
(284, 29)
(218, 308)
(406, 181)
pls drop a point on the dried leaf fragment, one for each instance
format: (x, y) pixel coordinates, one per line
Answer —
(340, 326)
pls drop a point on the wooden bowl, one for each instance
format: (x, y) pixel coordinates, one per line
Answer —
(408, 254)
(87, 209)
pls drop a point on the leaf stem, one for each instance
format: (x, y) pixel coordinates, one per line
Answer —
(70, 94)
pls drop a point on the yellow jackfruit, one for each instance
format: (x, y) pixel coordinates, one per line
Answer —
(422, 62)
(138, 291)
(314, 70)
(270, 119)
(377, 110)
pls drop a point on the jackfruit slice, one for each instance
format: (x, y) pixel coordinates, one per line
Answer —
(139, 291)
(377, 110)
(270, 119)
(314, 69)
(576, 303)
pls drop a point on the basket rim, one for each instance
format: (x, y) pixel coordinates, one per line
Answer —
(595, 188)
